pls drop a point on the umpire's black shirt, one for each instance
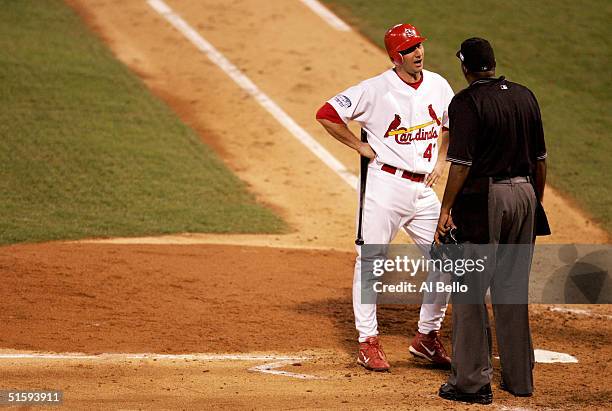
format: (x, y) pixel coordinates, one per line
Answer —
(496, 129)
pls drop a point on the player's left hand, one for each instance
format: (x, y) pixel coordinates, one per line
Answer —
(445, 223)
(434, 176)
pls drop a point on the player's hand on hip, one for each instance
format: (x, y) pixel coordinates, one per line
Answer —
(434, 176)
(445, 223)
(365, 150)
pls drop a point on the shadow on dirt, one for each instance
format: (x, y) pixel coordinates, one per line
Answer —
(393, 319)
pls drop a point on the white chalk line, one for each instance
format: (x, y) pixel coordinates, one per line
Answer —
(278, 361)
(326, 14)
(579, 311)
(149, 356)
(270, 368)
(246, 84)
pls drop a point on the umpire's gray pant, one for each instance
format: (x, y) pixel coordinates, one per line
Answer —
(512, 205)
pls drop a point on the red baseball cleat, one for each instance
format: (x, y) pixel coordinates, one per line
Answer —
(429, 347)
(371, 355)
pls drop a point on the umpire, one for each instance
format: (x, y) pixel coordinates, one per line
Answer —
(493, 196)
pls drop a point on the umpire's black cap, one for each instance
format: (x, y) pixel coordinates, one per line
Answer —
(476, 54)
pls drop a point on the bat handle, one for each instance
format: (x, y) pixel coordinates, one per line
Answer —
(363, 174)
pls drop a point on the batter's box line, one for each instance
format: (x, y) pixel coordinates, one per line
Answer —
(271, 368)
(278, 361)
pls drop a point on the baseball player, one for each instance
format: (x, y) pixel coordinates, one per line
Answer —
(404, 112)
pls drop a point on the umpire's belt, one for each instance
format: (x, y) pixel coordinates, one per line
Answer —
(404, 174)
(510, 180)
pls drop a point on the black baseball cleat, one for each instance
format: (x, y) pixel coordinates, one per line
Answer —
(503, 386)
(482, 396)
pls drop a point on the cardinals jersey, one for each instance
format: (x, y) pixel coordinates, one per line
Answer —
(403, 124)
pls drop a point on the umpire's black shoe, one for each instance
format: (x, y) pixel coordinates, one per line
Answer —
(503, 386)
(482, 396)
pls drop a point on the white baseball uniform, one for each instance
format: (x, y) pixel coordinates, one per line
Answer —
(403, 125)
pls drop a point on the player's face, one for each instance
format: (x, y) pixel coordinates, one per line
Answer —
(413, 59)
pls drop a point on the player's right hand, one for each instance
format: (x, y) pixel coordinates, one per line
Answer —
(366, 151)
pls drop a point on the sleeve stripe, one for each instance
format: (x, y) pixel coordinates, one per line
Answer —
(456, 160)
(328, 112)
(542, 157)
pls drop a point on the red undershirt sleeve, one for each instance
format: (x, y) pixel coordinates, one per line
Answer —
(327, 112)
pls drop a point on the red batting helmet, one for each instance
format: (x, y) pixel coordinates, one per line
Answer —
(401, 37)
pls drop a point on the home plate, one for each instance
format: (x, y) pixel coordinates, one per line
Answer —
(547, 357)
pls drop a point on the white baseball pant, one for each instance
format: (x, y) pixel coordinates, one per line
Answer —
(392, 202)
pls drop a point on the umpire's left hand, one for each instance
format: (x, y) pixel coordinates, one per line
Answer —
(445, 223)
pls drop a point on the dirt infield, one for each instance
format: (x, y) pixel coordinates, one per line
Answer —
(261, 295)
(177, 299)
(172, 298)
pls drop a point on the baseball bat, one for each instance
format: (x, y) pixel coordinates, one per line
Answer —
(363, 174)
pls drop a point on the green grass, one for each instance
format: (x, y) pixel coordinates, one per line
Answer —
(87, 151)
(558, 48)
